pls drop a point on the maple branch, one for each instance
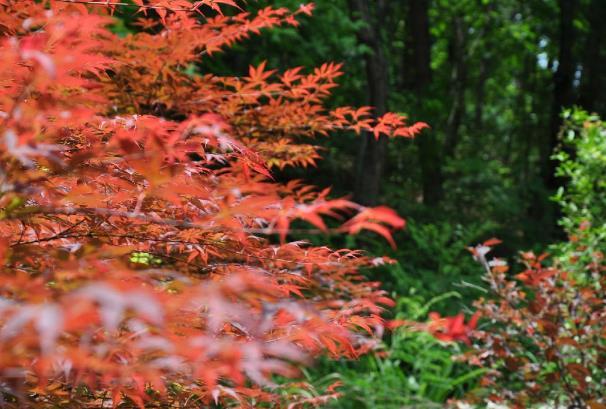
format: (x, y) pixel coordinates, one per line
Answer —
(57, 236)
(235, 36)
(61, 236)
(289, 93)
(123, 4)
(139, 238)
(96, 211)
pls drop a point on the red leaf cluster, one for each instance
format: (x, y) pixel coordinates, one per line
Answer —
(450, 329)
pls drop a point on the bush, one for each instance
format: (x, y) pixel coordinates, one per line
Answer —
(542, 336)
(583, 200)
(544, 339)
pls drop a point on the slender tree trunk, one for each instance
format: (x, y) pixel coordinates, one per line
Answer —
(459, 79)
(417, 80)
(563, 92)
(480, 94)
(371, 154)
(417, 52)
(521, 136)
(486, 61)
(594, 62)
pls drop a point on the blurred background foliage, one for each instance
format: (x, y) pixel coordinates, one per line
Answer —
(492, 78)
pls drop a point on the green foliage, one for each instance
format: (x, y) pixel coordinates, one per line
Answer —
(144, 259)
(412, 369)
(583, 199)
(432, 258)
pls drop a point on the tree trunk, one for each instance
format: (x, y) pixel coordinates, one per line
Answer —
(459, 79)
(417, 51)
(417, 80)
(563, 92)
(594, 62)
(480, 94)
(371, 154)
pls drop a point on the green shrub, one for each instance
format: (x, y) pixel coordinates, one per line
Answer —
(583, 198)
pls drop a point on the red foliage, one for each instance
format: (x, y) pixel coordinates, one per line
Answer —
(451, 329)
(137, 208)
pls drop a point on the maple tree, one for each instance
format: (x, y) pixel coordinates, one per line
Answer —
(143, 240)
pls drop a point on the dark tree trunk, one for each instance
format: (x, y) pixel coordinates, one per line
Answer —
(593, 79)
(486, 61)
(563, 92)
(417, 51)
(522, 136)
(459, 79)
(371, 154)
(480, 94)
(417, 80)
